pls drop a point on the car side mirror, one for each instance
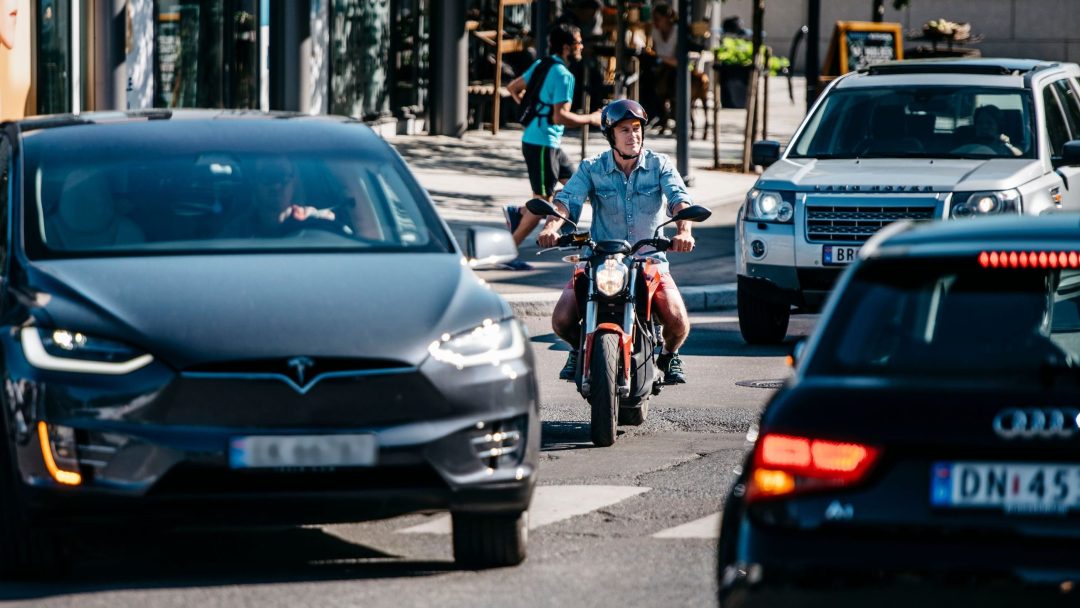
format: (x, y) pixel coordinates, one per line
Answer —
(765, 152)
(1070, 155)
(487, 247)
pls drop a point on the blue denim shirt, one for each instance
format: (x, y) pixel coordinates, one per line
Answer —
(625, 208)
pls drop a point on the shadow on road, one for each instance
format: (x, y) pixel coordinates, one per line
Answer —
(557, 436)
(204, 558)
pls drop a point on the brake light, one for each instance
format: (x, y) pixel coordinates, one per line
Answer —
(1029, 259)
(785, 465)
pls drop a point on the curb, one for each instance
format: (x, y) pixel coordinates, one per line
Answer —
(698, 298)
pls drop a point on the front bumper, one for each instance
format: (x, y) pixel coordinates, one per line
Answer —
(154, 446)
(784, 272)
(769, 567)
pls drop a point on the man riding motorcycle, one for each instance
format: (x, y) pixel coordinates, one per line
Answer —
(626, 185)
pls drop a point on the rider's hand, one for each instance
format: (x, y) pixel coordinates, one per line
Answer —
(682, 243)
(548, 238)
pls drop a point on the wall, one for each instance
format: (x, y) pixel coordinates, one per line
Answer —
(1040, 29)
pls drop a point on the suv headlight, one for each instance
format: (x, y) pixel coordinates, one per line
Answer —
(70, 351)
(768, 206)
(490, 343)
(974, 204)
(611, 277)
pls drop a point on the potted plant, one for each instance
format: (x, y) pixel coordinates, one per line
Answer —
(734, 65)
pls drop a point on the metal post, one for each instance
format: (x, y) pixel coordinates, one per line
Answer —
(110, 70)
(449, 101)
(682, 97)
(620, 43)
(541, 27)
(290, 38)
(765, 98)
(879, 11)
(813, 61)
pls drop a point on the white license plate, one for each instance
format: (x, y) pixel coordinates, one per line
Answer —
(270, 451)
(834, 255)
(1012, 487)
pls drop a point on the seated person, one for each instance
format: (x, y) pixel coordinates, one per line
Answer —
(989, 136)
(276, 211)
(659, 74)
(86, 216)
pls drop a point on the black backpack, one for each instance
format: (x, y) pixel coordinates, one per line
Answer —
(530, 102)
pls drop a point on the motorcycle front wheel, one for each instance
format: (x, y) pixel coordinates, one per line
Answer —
(603, 396)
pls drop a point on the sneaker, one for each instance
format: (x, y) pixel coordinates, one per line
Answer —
(512, 213)
(671, 365)
(569, 371)
(517, 265)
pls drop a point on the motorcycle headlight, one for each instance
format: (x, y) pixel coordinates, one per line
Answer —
(63, 350)
(975, 204)
(611, 277)
(490, 343)
(768, 206)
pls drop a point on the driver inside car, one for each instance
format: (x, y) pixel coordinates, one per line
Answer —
(276, 211)
(627, 185)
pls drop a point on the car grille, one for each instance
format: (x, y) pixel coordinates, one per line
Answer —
(856, 224)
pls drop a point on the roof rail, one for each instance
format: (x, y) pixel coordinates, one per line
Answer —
(940, 68)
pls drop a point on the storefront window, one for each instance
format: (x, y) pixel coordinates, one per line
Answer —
(54, 56)
(206, 54)
(360, 58)
(409, 52)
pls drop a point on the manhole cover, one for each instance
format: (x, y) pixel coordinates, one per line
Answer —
(760, 383)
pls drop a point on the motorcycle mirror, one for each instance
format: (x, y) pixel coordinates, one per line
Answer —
(539, 206)
(693, 213)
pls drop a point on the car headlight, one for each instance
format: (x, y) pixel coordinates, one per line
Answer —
(768, 206)
(490, 343)
(70, 351)
(611, 277)
(976, 204)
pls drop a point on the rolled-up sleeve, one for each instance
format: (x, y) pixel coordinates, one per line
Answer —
(576, 190)
(672, 185)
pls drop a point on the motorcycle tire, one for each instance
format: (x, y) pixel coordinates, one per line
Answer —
(603, 397)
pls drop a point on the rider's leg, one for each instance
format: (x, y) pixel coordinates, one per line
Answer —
(565, 321)
(670, 308)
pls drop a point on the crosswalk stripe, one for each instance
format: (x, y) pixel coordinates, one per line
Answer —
(550, 504)
(706, 527)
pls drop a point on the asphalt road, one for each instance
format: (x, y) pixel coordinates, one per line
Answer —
(630, 525)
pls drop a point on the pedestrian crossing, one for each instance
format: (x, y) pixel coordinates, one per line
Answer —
(552, 504)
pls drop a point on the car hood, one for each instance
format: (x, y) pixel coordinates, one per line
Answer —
(899, 175)
(190, 310)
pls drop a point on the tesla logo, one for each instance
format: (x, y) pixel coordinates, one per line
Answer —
(300, 365)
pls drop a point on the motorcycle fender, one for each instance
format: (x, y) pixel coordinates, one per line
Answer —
(625, 341)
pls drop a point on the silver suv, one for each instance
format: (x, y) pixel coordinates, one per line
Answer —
(914, 140)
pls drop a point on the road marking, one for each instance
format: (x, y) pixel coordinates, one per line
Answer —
(706, 527)
(550, 504)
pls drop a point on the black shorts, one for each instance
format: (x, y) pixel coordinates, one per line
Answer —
(546, 166)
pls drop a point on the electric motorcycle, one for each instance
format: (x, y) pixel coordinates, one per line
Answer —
(620, 339)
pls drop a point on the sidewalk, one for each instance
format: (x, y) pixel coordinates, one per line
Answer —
(472, 178)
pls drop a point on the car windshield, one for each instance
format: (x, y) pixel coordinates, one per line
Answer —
(223, 200)
(949, 318)
(923, 122)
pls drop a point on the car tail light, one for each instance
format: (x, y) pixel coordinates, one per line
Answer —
(785, 465)
(1029, 259)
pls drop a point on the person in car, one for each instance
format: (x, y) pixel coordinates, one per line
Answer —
(990, 134)
(626, 185)
(276, 209)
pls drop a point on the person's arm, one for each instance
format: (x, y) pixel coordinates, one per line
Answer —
(561, 115)
(569, 202)
(517, 89)
(674, 189)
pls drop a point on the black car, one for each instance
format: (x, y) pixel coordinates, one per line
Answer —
(223, 318)
(927, 449)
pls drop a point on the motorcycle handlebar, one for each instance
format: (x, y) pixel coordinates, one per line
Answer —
(658, 243)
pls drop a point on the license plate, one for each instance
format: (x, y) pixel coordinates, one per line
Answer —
(1011, 487)
(834, 255)
(272, 451)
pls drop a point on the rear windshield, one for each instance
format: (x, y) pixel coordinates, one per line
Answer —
(920, 122)
(952, 319)
(222, 200)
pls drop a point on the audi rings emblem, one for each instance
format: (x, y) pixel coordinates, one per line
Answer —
(1041, 423)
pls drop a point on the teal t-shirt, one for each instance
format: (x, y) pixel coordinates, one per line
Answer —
(558, 88)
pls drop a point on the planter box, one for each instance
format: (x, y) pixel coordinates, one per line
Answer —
(734, 84)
